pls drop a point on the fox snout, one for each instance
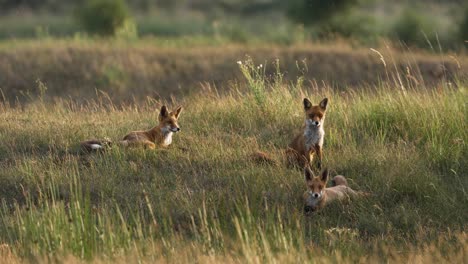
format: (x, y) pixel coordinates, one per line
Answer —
(315, 195)
(171, 128)
(313, 123)
(308, 209)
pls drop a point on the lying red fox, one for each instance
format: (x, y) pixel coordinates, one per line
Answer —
(158, 136)
(318, 195)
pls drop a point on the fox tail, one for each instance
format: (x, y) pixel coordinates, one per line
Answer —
(96, 145)
(261, 157)
(339, 180)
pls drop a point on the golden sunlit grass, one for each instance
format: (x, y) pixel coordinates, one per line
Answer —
(203, 200)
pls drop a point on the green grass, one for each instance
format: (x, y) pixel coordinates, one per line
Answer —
(164, 24)
(367, 24)
(204, 200)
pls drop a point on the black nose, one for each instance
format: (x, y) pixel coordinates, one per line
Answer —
(308, 209)
(178, 129)
(316, 195)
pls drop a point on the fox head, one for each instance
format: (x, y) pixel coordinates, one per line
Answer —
(315, 114)
(168, 120)
(315, 189)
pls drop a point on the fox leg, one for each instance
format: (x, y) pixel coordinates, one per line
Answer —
(304, 160)
(308, 158)
(149, 144)
(145, 143)
(318, 150)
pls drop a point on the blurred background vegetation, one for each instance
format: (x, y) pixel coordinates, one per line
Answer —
(72, 70)
(432, 24)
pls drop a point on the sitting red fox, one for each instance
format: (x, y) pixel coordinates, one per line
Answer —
(302, 148)
(310, 142)
(158, 136)
(318, 195)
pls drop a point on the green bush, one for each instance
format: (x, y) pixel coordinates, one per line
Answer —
(414, 29)
(309, 12)
(463, 28)
(103, 17)
(352, 25)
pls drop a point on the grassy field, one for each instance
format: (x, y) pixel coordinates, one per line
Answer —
(130, 71)
(204, 200)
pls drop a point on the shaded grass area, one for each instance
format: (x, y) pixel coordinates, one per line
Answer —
(130, 72)
(204, 199)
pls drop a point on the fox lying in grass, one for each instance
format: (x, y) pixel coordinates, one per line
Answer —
(158, 136)
(318, 195)
(302, 148)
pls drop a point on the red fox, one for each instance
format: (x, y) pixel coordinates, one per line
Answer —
(318, 195)
(309, 142)
(158, 136)
(304, 145)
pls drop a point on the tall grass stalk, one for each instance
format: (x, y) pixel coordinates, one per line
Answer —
(204, 200)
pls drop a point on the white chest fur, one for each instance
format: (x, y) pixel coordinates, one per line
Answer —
(167, 138)
(313, 136)
(167, 135)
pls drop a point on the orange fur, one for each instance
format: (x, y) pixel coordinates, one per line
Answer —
(318, 195)
(339, 180)
(158, 136)
(302, 148)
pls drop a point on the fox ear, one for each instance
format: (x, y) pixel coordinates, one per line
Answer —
(177, 111)
(323, 104)
(307, 104)
(164, 112)
(308, 174)
(324, 176)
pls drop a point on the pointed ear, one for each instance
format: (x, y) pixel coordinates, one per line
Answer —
(307, 104)
(177, 111)
(308, 174)
(324, 176)
(323, 104)
(163, 112)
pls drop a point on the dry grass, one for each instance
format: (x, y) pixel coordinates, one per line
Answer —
(207, 202)
(203, 200)
(127, 71)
